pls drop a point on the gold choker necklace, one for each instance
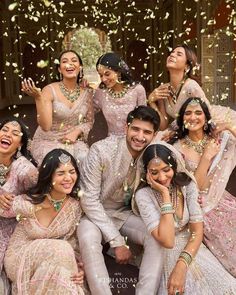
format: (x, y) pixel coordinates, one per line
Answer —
(71, 95)
(198, 146)
(3, 173)
(119, 94)
(57, 204)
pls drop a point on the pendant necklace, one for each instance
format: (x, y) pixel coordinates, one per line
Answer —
(175, 93)
(71, 95)
(57, 204)
(3, 173)
(119, 94)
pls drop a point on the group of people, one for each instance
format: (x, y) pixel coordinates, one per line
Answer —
(152, 182)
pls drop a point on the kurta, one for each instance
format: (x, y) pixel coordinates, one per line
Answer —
(41, 260)
(64, 121)
(205, 274)
(115, 110)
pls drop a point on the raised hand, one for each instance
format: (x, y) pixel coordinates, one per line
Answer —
(28, 86)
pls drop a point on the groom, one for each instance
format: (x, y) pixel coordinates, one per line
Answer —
(109, 176)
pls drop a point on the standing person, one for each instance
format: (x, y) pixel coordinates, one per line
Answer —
(64, 110)
(17, 174)
(169, 207)
(118, 93)
(40, 258)
(168, 98)
(212, 162)
(108, 178)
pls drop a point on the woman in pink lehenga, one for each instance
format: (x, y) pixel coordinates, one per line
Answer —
(64, 110)
(168, 98)
(41, 256)
(212, 161)
(17, 174)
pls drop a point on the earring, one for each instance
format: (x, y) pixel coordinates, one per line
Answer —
(18, 153)
(205, 126)
(61, 76)
(183, 128)
(119, 78)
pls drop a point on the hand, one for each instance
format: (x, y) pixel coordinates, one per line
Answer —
(177, 279)
(163, 190)
(201, 200)
(78, 278)
(212, 149)
(123, 254)
(6, 201)
(162, 92)
(28, 87)
(71, 137)
(84, 83)
(219, 127)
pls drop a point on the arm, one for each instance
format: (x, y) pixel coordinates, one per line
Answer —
(27, 174)
(178, 275)
(43, 100)
(156, 101)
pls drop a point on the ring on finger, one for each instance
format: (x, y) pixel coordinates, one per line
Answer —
(177, 292)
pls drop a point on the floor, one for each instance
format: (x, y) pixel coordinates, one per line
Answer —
(123, 277)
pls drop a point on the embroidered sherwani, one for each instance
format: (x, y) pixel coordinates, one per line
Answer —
(108, 178)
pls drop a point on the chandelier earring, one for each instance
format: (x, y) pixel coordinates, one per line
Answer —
(18, 153)
(81, 73)
(119, 78)
(205, 126)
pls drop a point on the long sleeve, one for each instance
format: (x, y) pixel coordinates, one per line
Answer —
(195, 211)
(87, 123)
(141, 95)
(91, 185)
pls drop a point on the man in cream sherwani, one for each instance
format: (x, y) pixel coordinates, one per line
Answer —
(109, 175)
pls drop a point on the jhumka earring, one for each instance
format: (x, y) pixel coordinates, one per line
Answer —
(18, 153)
(205, 126)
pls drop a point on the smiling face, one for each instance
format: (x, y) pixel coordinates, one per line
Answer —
(69, 65)
(177, 59)
(63, 180)
(138, 135)
(160, 172)
(107, 76)
(10, 138)
(194, 117)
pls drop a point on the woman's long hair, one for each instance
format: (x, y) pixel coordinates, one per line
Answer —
(182, 131)
(50, 163)
(115, 63)
(24, 138)
(160, 151)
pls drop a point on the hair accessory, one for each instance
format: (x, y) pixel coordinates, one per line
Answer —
(14, 123)
(3, 173)
(64, 159)
(194, 102)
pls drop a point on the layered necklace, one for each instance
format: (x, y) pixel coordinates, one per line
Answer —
(3, 173)
(71, 95)
(120, 94)
(198, 146)
(57, 204)
(174, 93)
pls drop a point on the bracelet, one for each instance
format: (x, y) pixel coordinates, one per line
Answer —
(181, 259)
(186, 256)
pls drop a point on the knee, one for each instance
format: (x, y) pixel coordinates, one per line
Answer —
(88, 235)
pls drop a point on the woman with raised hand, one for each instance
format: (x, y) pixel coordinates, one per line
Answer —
(184, 82)
(212, 161)
(118, 93)
(17, 174)
(64, 110)
(41, 257)
(169, 207)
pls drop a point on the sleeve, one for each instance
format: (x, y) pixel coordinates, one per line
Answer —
(97, 100)
(27, 174)
(195, 211)
(88, 121)
(21, 208)
(148, 210)
(91, 182)
(141, 95)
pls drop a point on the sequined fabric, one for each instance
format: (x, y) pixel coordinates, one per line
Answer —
(22, 176)
(64, 121)
(115, 110)
(192, 89)
(219, 207)
(204, 276)
(41, 260)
